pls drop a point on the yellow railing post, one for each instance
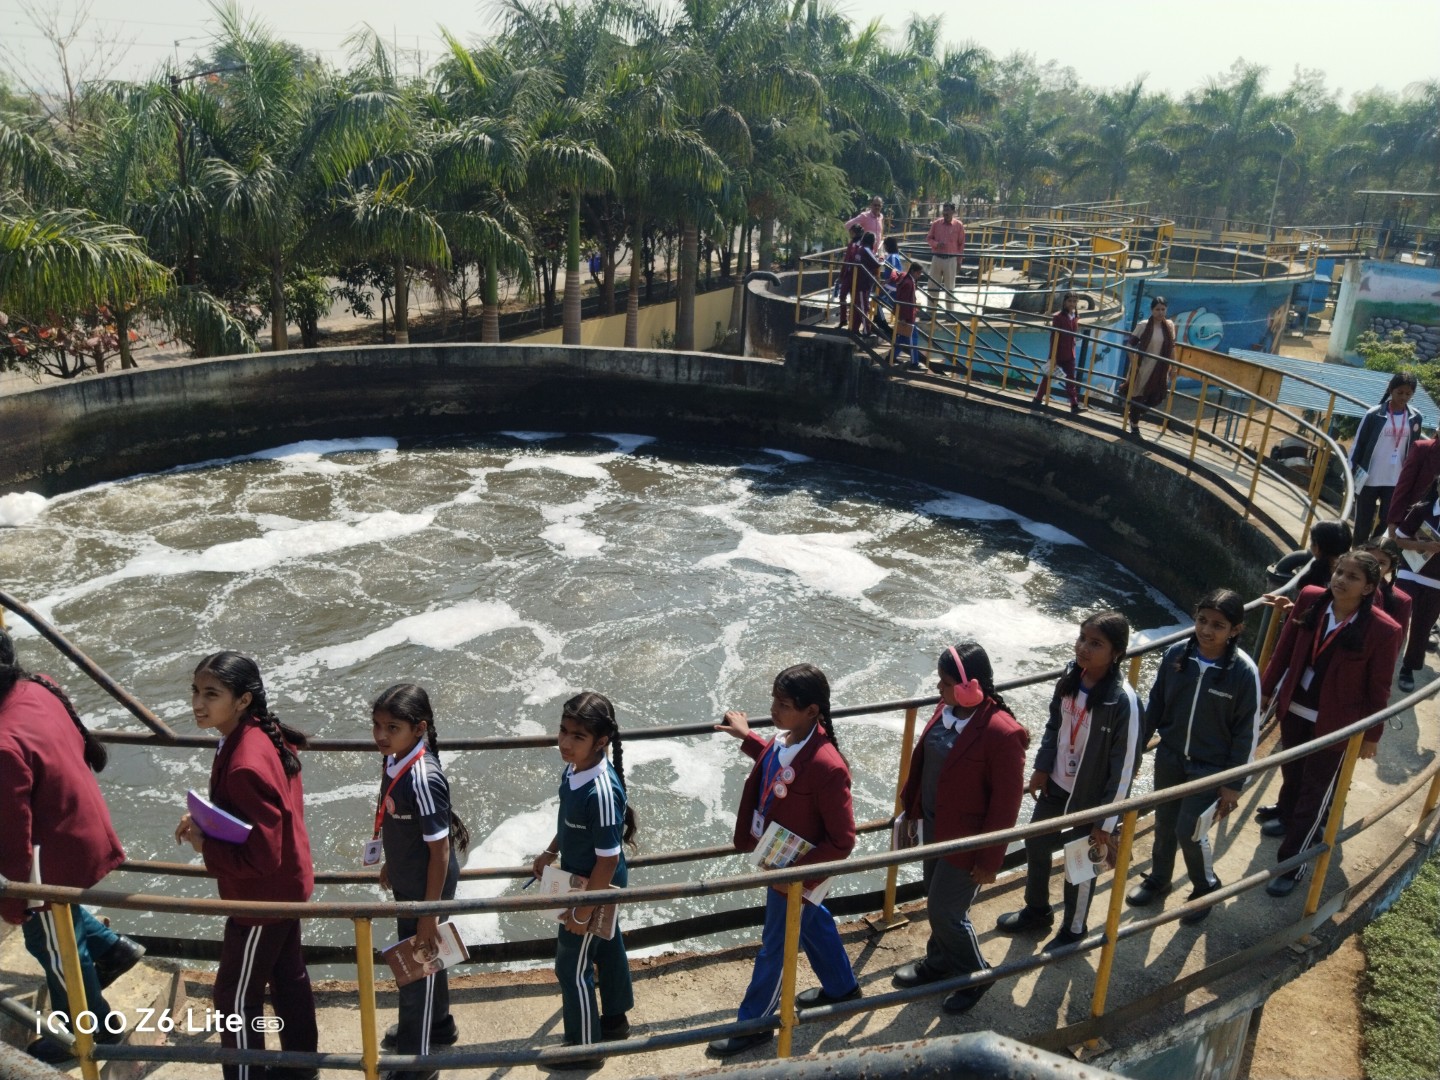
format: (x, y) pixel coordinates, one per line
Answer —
(1332, 823)
(1245, 432)
(970, 349)
(365, 972)
(75, 990)
(1135, 672)
(1259, 459)
(1112, 917)
(1130, 378)
(1009, 345)
(1432, 798)
(887, 920)
(787, 977)
(1272, 633)
(1199, 412)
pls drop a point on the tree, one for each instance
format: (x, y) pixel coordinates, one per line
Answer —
(1119, 141)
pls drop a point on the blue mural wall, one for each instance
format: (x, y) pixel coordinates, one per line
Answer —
(1214, 315)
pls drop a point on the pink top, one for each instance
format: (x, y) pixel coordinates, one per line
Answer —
(870, 222)
(946, 238)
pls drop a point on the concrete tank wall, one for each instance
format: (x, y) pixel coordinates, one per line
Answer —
(820, 400)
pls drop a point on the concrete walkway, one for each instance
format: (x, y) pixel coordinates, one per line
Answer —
(514, 1011)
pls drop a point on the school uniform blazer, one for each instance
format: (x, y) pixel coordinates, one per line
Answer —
(1356, 683)
(273, 863)
(1421, 467)
(1372, 424)
(816, 806)
(982, 783)
(1107, 764)
(49, 797)
(1398, 606)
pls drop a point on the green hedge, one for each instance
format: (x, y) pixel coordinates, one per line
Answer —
(1402, 1005)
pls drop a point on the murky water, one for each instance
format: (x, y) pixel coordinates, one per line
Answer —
(505, 573)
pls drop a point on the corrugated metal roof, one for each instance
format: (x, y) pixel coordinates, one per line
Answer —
(1368, 386)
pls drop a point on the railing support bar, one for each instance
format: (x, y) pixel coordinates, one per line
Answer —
(365, 976)
(75, 990)
(888, 919)
(1332, 823)
(1112, 917)
(792, 958)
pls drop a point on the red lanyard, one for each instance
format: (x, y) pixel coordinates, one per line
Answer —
(1397, 428)
(1079, 719)
(380, 807)
(1317, 647)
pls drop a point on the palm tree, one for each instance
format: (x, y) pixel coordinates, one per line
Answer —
(288, 140)
(578, 45)
(1232, 127)
(1119, 141)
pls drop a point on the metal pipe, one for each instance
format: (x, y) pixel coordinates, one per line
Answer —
(1332, 822)
(365, 975)
(787, 976)
(1112, 918)
(892, 875)
(75, 990)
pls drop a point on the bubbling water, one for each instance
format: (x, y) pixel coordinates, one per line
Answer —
(509, 571)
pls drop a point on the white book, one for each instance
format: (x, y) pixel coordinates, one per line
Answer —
(779, 848)
(1078, 867)
(1205, 820)
(35, 877)
(1416, 560)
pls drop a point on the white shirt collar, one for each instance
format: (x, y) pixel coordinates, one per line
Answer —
(392, 767)
(580, 779)
(786, 753)
(953, 722)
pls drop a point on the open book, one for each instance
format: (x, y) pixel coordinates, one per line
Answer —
(1417, 559)
(779, 848)
(557, 882)
(409, 963)
(215, 823)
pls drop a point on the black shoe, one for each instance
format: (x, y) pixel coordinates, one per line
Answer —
(614, 1028)
(816, 997)
(50, 1050)
(1273, 827)
(1268, 813)
(915, 974)
(445, 1033)
(433, 1074)
(737, 1044)
(962, 1001)
(1200, 916)
(1406, 682)
(1063, 938)
(1025, 920)
(276, 1072)
(1282, 886)
(1147, 892)
(120, 958)
(1074, 409)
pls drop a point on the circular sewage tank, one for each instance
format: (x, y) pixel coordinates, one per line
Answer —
(505, 572)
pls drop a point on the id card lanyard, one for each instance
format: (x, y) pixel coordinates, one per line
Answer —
(1072, 760)
(774, 781)
(371, 855)
(1318, 647)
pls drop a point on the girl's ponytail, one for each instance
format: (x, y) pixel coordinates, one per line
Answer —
(96, 755)
(410, 703)
(241, 675)
(806, 685)
(596, 712)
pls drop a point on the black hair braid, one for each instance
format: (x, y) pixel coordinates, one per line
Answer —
(617, 757)
(285, 740)
(459, 834)
(96, 756)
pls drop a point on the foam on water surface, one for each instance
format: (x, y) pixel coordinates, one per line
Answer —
(20, 508)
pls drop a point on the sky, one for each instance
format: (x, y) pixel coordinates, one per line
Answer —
(1358, 44)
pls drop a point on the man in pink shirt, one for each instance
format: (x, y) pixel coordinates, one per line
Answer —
(871, 220)
(947, 244)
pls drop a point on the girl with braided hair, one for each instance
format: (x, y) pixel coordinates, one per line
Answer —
(256, 777)
(421, 833)
(57, 829)
(800, 781)
(595, 825)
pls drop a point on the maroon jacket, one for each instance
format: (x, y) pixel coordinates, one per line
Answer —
(48, 796)
(1398, 606)
(1356, 683)
(1421, 467)
(274, 862)
(816, 806)
(982, 783)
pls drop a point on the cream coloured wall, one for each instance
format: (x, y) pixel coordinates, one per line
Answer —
(608, 331)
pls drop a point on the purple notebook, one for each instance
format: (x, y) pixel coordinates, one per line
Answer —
(216, 823)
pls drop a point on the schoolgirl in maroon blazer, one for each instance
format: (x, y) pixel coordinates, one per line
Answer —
(967, 777)
(802, 781)
(256, 777)
(1331, 667)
